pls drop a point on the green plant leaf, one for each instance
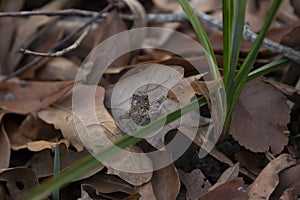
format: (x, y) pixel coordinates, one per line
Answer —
(266, 68)
(237, 35)
(55, 194)
(242, 74)
(227, 15)
(211, 58)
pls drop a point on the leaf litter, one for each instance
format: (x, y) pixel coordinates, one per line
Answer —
(36, 112)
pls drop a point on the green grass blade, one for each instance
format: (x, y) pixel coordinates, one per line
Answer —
(266, 69)
(212, 62)
(90, 162)
(237, 35)
(227, 15)
(250, 59)
(55, 194)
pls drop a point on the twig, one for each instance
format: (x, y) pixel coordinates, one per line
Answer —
(248, 35)
(62, 42)
(152, 18)
(58, 53)
(65, 12)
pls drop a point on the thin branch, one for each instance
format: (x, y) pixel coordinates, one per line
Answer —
(62, 42)
(58, 53)
(152, 18)
(248, 35)
(65, 12)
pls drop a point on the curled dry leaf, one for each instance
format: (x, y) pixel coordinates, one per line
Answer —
(140, 17)
(18, 180)
(195, 183)
(41, 145)
(260, 117)
(166, 183)
(25, 97)
(267, 180)
(233, 190)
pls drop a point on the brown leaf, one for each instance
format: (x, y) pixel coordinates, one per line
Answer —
(103, 183)
(7, 28)
(289, 178)
(287, 195)
(42, 162)
(250, 161)
(4, 149)
(18, 180)
(233, 190)
(128, 116)
(166, 183)
(260, 117)
(25, 32)
(267, 180)
(292, 92)
(30, 133)
(25, 97)
(146, 191)
(229, 174)
(47, 37)
(56, 69)
(62, 118)
(195, 183)
(41, 145)
(99, 133)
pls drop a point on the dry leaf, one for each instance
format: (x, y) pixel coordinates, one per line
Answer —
(267, 180)
(47, 37)
(292, 92)
(129, 99)
(41, 145)
(289, 178)
(229, 174)
(131, 165)
(260, 117)
(146, 191)
(18, 180)
(42, 162)
(287, 195)
(7, 28)
(25, 32)
(104, 183)
(166, 183)
(233, 190)
(24, 97)
(62, 118)
(250, 161)
(4, 149)
(58, 69)
(195, 183)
